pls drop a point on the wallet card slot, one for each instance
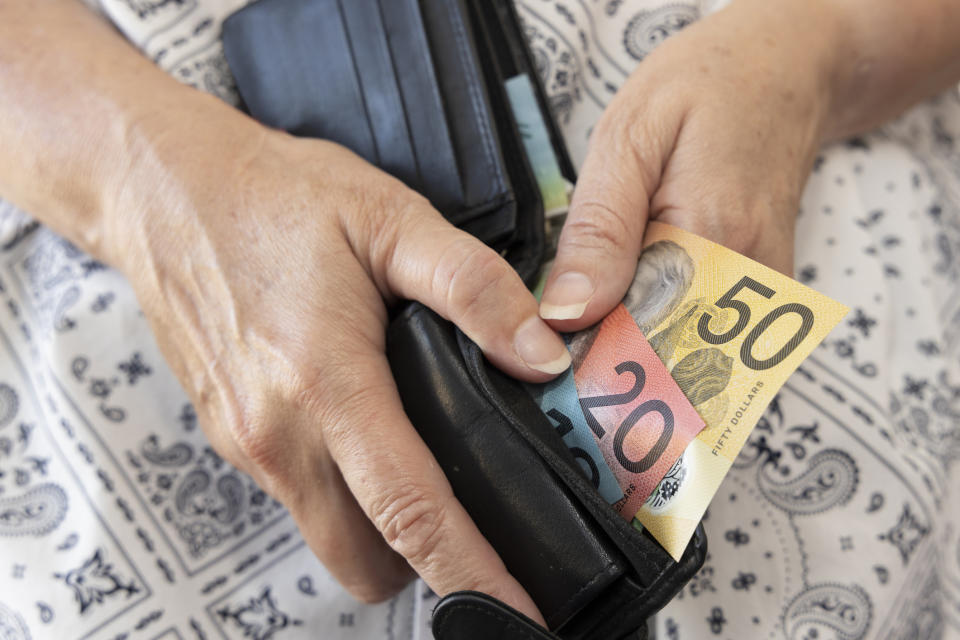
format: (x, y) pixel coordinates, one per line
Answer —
(367, 41)
(515, 58)
(457, 66)
(525, 248)
(273, 47)
(422, 104)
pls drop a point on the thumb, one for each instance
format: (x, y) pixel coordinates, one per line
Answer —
(470, 284)
(601, 239)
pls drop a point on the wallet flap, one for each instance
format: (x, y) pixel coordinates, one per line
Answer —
(275, 49)
(590, 572)
(469, 615)
(654, 569)
(545, 538)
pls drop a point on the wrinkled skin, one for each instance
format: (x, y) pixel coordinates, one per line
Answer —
(265, 263)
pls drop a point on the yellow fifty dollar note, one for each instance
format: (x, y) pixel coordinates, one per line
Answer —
(730, 331)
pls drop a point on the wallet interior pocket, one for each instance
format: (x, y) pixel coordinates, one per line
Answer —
(397, 81)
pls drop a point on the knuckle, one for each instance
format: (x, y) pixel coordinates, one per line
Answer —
(467, 280)
(261, 443)
(411, 521)
(598, 227)
(406, 210)
(342, 407)
(386, 581)
(243, 429)
(314, 390)
(372, 591)
(332, 544)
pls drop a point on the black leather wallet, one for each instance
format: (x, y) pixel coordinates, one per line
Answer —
(417, 87)
(590, 572)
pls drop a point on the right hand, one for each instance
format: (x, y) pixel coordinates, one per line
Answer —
(714, 132)
(263, 263)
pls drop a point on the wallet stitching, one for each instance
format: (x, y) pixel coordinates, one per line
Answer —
(616, 619)
(441, 621)
(604, 572)
(475, 100)
(565, 474)
(426, 62)
(568, 478)
(602, 511)
(657, 584)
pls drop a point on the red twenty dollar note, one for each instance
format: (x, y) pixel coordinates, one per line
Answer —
(638, 414)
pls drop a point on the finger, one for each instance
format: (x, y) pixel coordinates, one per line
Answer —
(346, 542)
(309, 484)
(468, 283)
(403, 491)
(601, 239)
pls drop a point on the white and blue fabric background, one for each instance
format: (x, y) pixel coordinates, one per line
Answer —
(840, 519)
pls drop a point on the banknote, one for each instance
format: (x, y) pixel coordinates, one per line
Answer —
(558, 401)
(536, 142)
(637, 413)
(730, 331)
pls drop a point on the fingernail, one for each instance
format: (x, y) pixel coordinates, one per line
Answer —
(567, 297)
(540, 348)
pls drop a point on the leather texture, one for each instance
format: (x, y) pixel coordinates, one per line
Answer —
(417, 87)
(590, 573)
(397, 81)
(468, 615)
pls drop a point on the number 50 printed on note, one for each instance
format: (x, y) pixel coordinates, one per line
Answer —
(730, 331)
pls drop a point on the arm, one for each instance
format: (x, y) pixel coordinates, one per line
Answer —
(262, 262)
(890, 55)
(717, 129)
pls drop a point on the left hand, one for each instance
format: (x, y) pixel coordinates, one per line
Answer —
(715, 132)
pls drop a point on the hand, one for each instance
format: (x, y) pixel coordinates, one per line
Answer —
(263, 271)
(714, 132)
(262, 261)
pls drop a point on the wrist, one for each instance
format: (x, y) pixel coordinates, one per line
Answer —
(892, 54)
(178, 162)
(801, 43)
(850, 71)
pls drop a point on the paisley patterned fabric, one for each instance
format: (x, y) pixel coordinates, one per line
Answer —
(840, 519)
